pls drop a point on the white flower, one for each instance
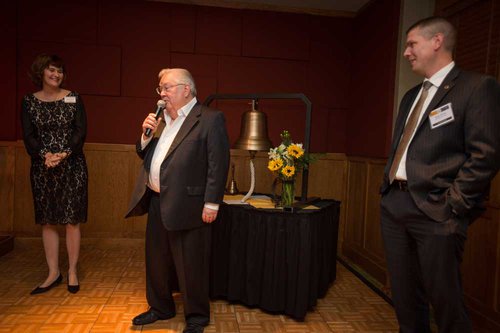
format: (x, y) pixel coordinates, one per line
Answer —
(273, 154)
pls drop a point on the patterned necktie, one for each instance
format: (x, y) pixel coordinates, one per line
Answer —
(411, 124)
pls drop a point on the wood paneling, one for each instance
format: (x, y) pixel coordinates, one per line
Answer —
(24, 216)
(7, 178)
(362, 239)
(112, 171)
(356, 203)
(372, 235)
(108, 168)
(495, 192)
(112, 174)
(481, 261)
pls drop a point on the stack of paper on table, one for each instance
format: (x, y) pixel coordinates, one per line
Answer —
(257, 201)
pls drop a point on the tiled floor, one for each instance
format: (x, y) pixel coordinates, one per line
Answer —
(112, 293)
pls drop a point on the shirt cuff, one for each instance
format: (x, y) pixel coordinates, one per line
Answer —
(211, 206)
(144, 143)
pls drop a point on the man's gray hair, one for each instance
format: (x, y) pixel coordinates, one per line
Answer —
(433, 25)
(185, 77)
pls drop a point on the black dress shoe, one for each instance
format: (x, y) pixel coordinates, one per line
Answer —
(149, 317)
(193, 328)
(74, 288)
(41, 290)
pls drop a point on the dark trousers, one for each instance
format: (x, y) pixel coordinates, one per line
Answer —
(186, 252)
(423, 260)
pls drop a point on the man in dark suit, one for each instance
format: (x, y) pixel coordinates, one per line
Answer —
(180, 187)
(437, 176)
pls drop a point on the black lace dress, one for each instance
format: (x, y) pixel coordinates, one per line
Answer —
(59, 193)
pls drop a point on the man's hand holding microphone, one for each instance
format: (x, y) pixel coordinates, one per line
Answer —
(150, 124)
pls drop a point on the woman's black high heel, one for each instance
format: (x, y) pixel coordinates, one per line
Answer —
(73, 288)
(41, 290)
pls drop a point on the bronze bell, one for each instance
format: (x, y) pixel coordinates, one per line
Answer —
(233, 188)
(253, 132)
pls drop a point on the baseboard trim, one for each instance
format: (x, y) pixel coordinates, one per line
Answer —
(360, 274)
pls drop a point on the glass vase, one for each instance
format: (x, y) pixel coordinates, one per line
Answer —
(287, 193)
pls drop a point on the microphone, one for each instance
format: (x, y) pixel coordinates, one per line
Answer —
(160, 105)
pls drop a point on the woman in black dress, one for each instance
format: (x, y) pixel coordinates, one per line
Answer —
(54, 127)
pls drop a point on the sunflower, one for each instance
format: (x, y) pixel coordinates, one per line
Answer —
(295, 151)
(275, 165)
(288, 171)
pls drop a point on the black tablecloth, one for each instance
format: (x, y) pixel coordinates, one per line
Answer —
(280, 262)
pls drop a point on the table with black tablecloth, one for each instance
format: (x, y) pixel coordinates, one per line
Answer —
(278, 261)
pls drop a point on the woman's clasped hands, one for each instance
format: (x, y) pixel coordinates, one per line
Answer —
(53, 159)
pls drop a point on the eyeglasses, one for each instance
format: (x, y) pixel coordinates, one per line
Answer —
(160, 89)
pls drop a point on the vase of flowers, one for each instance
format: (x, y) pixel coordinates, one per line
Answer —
(287, 192)
(286, 161)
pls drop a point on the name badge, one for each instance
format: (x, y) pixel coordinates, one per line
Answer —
(441, 116)
(70, 99)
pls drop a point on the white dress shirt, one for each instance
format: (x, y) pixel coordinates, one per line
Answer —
(436, 80)
(165, 141)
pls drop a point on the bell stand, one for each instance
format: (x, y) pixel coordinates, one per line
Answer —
(256, 97)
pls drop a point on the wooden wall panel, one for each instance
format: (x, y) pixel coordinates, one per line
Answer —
(480, 259)
(328, 179)
(356, 203)
(372, 235)
(112, 174)
(24, 216)
(362, 239)
(7, 178)
(108, 189)
(495, 192)
(494, 310)
(134, 227)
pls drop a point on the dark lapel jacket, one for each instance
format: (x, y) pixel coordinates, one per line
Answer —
(450, 167)
(193, 172)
